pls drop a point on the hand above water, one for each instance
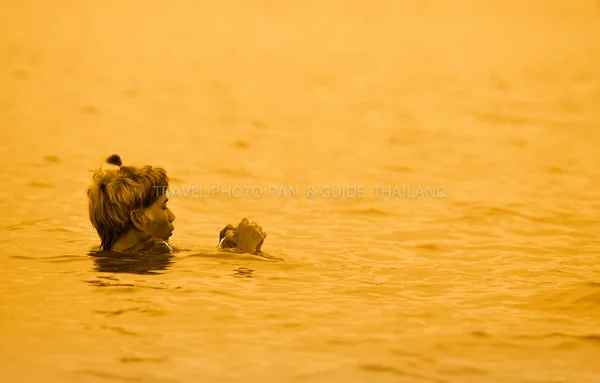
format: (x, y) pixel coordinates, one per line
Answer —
(247, 236)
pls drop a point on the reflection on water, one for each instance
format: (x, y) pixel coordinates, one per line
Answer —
(243, 272)
(138, 263)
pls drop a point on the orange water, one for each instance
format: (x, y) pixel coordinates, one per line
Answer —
(498, 102)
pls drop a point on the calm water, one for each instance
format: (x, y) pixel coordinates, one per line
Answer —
(497, 101)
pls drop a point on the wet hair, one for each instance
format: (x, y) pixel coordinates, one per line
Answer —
(115, 193)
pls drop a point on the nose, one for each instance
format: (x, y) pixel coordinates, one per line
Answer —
(171, 216)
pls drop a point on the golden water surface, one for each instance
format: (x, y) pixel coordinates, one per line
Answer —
(496, 102)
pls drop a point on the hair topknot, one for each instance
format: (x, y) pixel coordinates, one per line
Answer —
(115, 159)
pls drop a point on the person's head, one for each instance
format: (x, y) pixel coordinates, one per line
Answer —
(127, 199)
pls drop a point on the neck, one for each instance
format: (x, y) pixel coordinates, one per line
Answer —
(128, 240)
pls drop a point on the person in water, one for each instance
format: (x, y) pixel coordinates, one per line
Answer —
(128, 209)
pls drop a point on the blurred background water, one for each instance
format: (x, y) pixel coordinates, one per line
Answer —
(496, 101)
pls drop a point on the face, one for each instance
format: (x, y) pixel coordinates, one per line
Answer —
(161, 224)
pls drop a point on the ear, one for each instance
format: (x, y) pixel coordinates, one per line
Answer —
(136, 219)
